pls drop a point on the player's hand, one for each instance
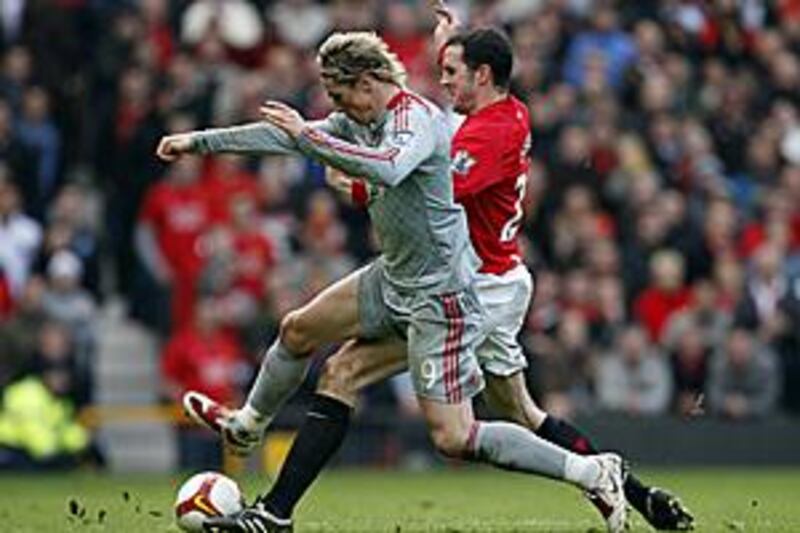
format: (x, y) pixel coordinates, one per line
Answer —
(172, 147)
(337, 179)
(283, 116)
(447, 23)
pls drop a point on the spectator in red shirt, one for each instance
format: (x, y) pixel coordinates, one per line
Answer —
(254, 252)
(665, 295)
(774, 226)
(404, 37)
(174, 216)
(226, 177)
(202, 357)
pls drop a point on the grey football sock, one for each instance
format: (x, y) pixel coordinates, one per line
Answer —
(513, 447)
(280, 374)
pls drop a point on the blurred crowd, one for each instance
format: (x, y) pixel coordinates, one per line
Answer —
(663, 205)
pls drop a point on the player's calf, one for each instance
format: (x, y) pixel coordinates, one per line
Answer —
(338, 377)
(451, 427)
(450, 443)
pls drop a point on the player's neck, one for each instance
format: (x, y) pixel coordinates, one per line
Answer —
(485, 99)
(385, 94)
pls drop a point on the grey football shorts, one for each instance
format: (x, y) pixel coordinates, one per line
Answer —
(442, 332)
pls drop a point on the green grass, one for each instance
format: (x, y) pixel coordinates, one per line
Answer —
(450, 501)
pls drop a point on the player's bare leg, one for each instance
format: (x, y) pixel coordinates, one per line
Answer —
(358, 364)
(330, 316)
(508, 397)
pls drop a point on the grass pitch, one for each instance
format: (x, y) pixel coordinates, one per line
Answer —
(446, 501)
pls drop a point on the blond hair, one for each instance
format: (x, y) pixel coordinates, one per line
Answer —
(345, 57)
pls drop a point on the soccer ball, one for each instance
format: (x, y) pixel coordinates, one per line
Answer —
(205, 495)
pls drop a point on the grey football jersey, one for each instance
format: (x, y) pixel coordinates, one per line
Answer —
(422, 230)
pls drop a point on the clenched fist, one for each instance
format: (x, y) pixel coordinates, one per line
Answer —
(172, 147)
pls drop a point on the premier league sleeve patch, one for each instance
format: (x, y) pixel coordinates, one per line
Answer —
(462, 162)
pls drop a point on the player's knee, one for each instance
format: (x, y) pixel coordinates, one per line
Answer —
(338, 378)
(296, 333)
(449, 441)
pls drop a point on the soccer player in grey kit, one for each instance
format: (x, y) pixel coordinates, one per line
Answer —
(420, 288)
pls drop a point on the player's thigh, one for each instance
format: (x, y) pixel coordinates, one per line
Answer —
(360, 363)
(505, 300)
(332, 315)
(508, 397)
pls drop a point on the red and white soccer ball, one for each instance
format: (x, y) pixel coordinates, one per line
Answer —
(205, 495)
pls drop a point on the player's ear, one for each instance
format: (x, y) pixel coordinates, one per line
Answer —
(483, 75)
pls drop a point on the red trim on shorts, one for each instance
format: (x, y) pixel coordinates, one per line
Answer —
(452, 348)
(447, 361)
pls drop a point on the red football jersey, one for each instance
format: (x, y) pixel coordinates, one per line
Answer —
(490, 171)
(221, 189)
(254, 256)
(179, 216)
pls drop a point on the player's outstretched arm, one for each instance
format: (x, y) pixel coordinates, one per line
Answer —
(255, 138)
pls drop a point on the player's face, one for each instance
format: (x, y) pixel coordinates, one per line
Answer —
(458, 80)
(357, 101)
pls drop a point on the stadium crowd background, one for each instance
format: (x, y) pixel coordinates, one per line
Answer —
(663, 204)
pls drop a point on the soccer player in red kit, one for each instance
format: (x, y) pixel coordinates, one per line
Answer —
(490, 169)
(490, 165)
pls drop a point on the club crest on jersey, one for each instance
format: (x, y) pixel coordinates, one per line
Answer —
(462, 162)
